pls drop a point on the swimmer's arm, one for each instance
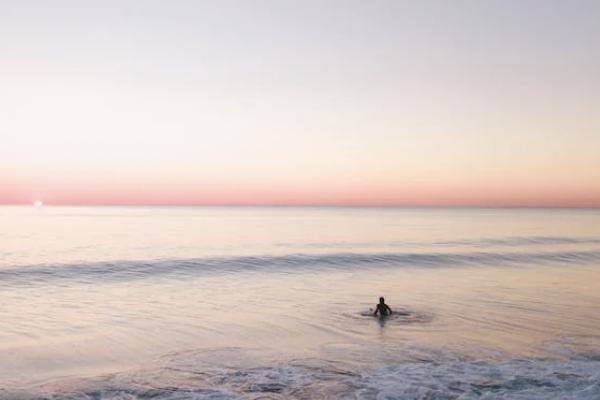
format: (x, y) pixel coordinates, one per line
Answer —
(389, 309)
(376, 309)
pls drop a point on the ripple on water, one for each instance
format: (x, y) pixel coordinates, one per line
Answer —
(398, 316)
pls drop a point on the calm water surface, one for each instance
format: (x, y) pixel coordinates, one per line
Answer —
(220, 303)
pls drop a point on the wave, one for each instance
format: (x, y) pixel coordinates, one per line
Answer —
(191, 378)
(516, 241)
(511, 241)
(291, 263)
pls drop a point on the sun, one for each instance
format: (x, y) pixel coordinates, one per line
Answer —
(38, 203)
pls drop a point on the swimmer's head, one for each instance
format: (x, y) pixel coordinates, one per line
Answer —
(381, 300)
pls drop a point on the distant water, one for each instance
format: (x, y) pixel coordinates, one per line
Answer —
(270, 303)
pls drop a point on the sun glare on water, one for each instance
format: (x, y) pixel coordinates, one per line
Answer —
(38, 203)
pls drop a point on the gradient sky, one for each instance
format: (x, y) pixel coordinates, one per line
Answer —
(489, 103)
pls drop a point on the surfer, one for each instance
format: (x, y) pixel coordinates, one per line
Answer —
(382, 309)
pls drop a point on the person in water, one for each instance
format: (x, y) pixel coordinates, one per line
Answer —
(382, 309)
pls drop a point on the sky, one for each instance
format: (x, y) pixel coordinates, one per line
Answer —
(256, 102)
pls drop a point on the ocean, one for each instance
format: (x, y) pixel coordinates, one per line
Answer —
(276, 303)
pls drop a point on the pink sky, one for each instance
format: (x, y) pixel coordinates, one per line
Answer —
(104, 192)
(344, 103)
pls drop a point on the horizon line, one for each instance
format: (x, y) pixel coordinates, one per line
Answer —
(309, 205)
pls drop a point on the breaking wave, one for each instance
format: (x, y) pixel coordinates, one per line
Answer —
(188, 377)
(292, 263)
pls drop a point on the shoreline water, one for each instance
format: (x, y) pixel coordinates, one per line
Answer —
(266, 303)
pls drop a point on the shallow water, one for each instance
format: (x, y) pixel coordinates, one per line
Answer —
(210, 302)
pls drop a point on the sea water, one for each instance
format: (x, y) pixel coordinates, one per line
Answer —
(259, 302)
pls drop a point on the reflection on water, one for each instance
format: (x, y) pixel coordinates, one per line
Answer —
(221, 303)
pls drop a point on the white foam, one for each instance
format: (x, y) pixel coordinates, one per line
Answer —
(188, 378)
